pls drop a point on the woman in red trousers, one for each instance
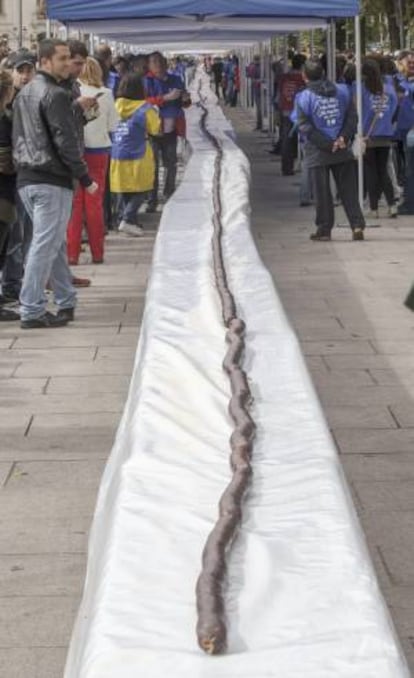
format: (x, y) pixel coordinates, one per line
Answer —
(88, 209)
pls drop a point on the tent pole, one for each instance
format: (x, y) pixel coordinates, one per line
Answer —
(333, 49)
(358, 64)
(328, 51)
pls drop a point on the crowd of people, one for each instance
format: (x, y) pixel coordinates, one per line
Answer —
(81, 142)
(82, 139)
(317, 125)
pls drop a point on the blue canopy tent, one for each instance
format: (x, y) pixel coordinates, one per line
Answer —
(200, 24)
(75, 10)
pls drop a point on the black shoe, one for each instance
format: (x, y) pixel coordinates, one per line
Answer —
(67, 314)
(8, 299)
(322, 237)
(45, 321)
(7, 316)
(358, 234)
(409, 302)
(151, 208)
(305, 203)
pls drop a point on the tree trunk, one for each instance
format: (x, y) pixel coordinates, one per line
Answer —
(392, 9)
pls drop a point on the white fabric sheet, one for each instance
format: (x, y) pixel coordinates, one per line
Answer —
(302, 598)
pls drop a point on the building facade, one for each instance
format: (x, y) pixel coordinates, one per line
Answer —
(25, 16)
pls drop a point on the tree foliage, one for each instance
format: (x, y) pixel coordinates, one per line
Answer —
(389, 22)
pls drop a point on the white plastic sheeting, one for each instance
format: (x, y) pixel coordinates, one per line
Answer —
(302, 598)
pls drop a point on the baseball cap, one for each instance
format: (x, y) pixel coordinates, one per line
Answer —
(23, 58)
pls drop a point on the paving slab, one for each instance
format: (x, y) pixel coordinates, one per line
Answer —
(374, 440)
(42, 622)
(62, 403)
(11, 387)
(105, 422)
(40, 575)
(65, 445)
(45, 368)
(33, 662)
(88, 385)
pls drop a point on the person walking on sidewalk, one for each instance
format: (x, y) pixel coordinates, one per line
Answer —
(48, 157)
(97, 154)
(327, 118)
(132, 164)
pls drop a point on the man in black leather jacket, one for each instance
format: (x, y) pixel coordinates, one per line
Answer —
(48, 157)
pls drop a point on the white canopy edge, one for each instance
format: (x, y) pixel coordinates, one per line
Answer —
(194, 38)
(179, 24)
(166, 32)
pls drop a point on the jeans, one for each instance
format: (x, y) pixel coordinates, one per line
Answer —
(166, 147)
(128, 206)
(20, 237)
(346, 178)
(49, 208)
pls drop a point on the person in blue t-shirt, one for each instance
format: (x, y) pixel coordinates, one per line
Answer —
(379, 110)
(328, 121)
(167, 92)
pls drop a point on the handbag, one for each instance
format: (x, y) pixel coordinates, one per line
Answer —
(359, 144)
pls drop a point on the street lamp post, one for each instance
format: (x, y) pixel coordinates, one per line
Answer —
(19, 24)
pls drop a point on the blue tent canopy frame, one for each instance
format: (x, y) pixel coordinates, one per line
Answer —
(68, 11)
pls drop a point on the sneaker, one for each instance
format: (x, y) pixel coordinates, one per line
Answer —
(80, 282)
(67, 314)
(372, 214)
(358, 234)
(6, 315)
(322, 237)
(45, 321)
(130, 229)
(151, 208)
(393, 212)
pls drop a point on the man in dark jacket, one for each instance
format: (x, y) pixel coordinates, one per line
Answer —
(23, 64)
(48, 157)
(327, 118)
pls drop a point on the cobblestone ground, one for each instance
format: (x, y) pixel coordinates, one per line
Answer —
(345, 301)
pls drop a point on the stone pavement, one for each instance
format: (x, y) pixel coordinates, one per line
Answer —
(62, 392)
(345, 301)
